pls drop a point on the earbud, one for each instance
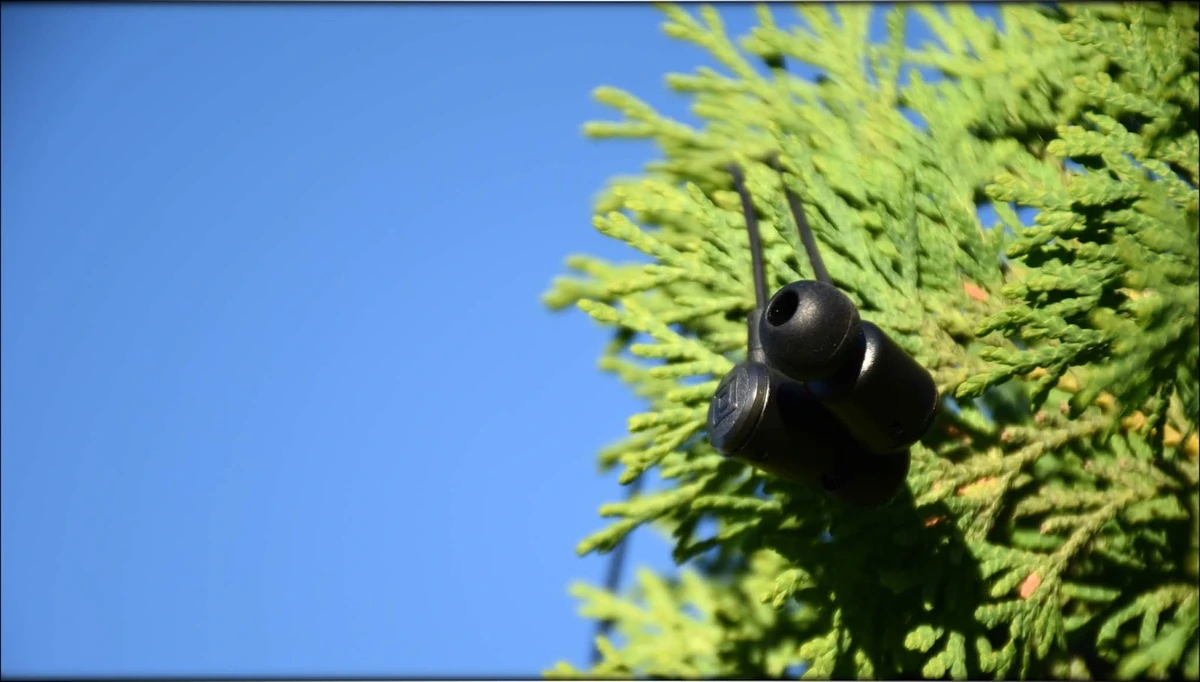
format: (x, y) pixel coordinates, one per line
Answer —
(760, 415)
(824, 397)
(812, 332)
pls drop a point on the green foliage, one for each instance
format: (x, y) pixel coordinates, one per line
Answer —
(1049, 527)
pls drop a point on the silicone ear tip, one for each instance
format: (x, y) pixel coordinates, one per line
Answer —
(809, 330)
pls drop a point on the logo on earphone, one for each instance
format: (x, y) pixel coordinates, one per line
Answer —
(725, 400)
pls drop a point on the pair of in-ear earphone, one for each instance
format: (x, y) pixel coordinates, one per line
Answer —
(823, 397)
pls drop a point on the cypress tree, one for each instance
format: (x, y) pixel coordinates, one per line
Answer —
(1048, 525)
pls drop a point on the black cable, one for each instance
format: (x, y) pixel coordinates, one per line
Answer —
(756, 251)
(778, 66)
(806, 235)
(612, 581)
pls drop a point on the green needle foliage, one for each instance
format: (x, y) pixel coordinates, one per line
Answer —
(1049, 523)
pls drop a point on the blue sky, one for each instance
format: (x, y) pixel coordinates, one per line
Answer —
(279, 396)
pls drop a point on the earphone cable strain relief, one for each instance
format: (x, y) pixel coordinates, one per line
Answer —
(754, 346)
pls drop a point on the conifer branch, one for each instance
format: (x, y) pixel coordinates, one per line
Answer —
(1049, 523)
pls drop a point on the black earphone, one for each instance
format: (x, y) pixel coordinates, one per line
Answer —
(824, 397)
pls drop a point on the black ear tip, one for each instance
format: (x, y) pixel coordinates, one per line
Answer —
(782, 307)
(809, 330)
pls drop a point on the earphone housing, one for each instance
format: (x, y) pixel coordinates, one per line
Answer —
(763, 417)
(881, 394)
(865, 480)
(760, 416)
